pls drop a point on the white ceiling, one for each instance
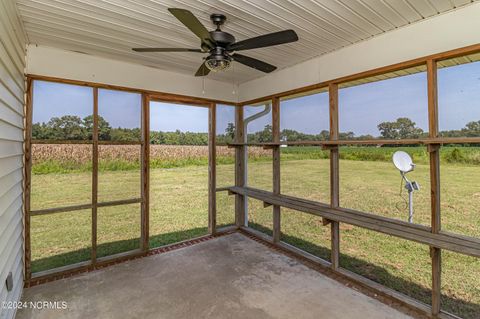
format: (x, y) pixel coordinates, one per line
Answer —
(110, 28)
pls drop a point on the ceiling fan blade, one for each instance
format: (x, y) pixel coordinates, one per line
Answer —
(166, 50)
(202, 70)
(192, 23)
(265, 40)
(254, 63)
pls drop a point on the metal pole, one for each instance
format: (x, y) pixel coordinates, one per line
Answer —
(249, 119)
(410, 206)
(409, 188)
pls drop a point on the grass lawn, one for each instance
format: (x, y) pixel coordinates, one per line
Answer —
(179, 211)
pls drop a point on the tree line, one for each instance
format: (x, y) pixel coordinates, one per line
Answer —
(71, 127)
(401, 128)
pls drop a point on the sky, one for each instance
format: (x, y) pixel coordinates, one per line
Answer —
(308, 114)
(225, 114)
(361, 108)
(54, 99)
(120, 109)
(169, 117)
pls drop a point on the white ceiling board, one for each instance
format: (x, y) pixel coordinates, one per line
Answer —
(323, 26)
(441, 5)
(459, 3)
(424, 8)
(387, 12)
(369, 14)
(316, 11)
(347, 17)
(406, 10)
(455, 29)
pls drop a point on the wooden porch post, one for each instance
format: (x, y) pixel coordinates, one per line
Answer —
(334, 174)
(94, 176)
(434, 150)
(276, 166)
(145, 174)
(28, 177)
(239, 167)
(212, 165)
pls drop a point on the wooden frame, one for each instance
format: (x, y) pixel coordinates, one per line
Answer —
(434, 150)
(73, 208)
(154, 95)
(276, 167)
(327, 143)
(240, 212)
(145, 175)
(147, 97)
(212, 123)
(357, 76)
(334, 175)
(27, 178)
(333, 214)
(212, 169)
(94, 204)
(94, 177)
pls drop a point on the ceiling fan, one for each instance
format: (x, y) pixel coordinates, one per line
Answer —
(221, 45)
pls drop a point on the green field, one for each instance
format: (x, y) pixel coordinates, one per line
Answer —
(369, 182)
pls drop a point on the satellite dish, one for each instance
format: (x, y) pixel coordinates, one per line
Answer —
(403, 162)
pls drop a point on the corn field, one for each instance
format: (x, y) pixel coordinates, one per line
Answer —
(72, 155)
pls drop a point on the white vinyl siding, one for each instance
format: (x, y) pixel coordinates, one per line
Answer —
(12, 87)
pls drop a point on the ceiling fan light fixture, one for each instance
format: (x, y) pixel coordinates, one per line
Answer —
(217, 63)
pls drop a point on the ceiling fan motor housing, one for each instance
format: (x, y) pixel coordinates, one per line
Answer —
(218, 36)
(222, 38)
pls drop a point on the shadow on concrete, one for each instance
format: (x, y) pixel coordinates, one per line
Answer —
(371, 271)
(115, 247)
(457, 306)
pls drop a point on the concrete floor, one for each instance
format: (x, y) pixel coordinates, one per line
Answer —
(226, 277)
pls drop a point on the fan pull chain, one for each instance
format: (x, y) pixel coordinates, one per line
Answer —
(233, 78)
(318, 70)
(203, 85)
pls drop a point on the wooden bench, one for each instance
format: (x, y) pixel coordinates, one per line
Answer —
(418, 233)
